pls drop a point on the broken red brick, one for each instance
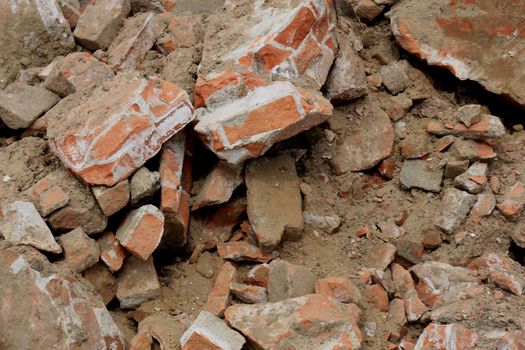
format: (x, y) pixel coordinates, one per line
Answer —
(219, 298)
(258, 275)
(454, 335)
(111, 252)
(112, 199)
(503, 272)
(80, 251)
(120, 134)
(464, 43)
(103, 281)
(339, 288)
(387, 168)
(134, 40)
(175, 183)
(249, 294)
(244, 251)
(141, 231)
(312, 319)
(246, 127)
(48, 196)
(378, 296)
(380, 256)
(513, 202)
(76, 72)
(219, 185)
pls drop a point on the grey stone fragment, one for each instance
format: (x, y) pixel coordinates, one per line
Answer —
(100, 23)
(421, 174)
(144, 184)
(22, 104)
(395, 76)
(287, 280)
(455, 207)
(137, 282)
(209, 326)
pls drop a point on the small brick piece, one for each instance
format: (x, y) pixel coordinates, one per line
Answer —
(340, 288)
(397, 312)
(219, 298)
(380, 256)
(48, 197)
(104, 140)
(80, 251)
(489, 128)
(144, 184)
(474, 179)
(76, 72)
(142, 231)
(209, 332)
(100, 22)
(258, 275)
(16, 112)
(387, 168)
(112, 199)
(20, 223)
(378, 296)
(513, 202)
(219, 185)
(134, 40)
(137, 283)
(175, 185)
(244, 251)
(103, 281)
(111, 252)
(249, 294)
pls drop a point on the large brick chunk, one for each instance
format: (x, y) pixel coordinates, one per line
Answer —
(455, 207)
(76, 72)
(292, 40)
(175, 183)
(455, 336)
(16, 112)
(513, 202)
(142, 231)
(246, 127)
(137, 36)
(20, 223)
(274, 200)
(104, 140)
(32, 33)
(468, 39)
(60, 310)
(100, 22)
(309, 322)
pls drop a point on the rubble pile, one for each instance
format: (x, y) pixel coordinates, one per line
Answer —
(251, 174)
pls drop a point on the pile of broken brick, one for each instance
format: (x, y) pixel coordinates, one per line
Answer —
(98, 176)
